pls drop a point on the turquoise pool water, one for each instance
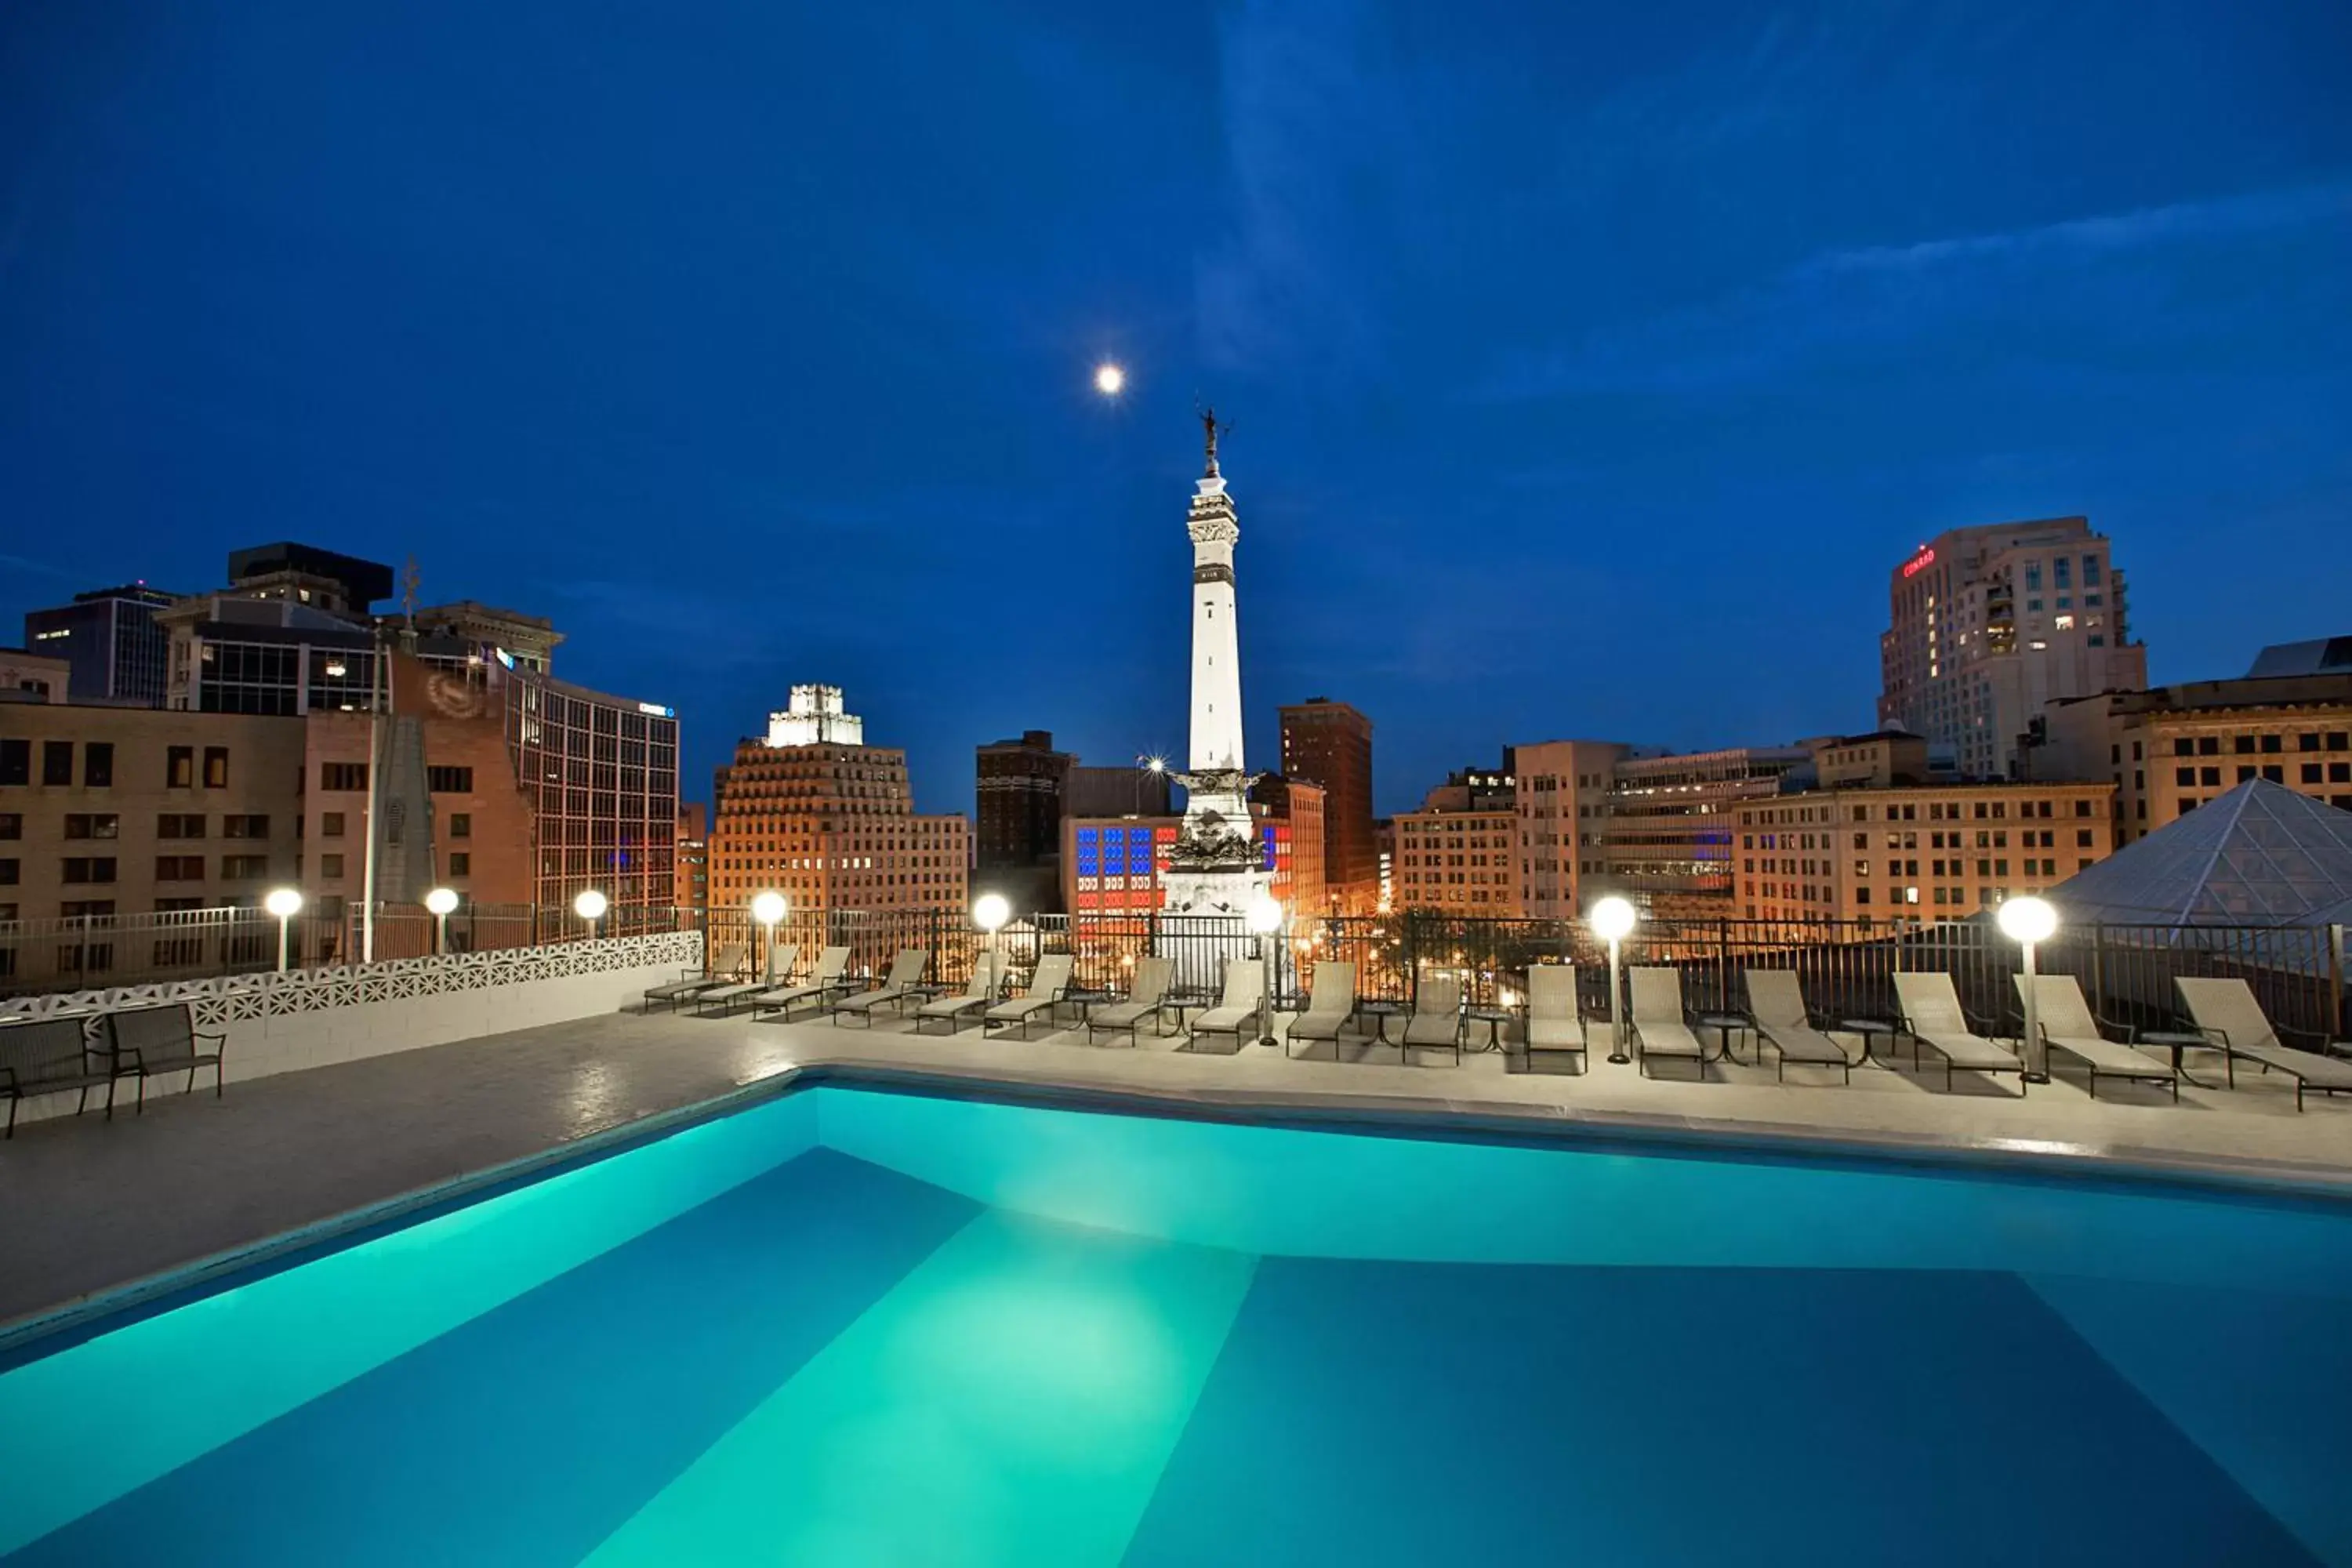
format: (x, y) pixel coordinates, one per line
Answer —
(856, 1327)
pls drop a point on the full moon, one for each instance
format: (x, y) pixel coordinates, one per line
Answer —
(1110, 380)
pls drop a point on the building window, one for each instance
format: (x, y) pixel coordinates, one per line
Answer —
(245, 828)
(461, 825)
(245, 868)
(449, 781)
(2210, 777)
(16, 762)
(461, 864)
(180, 767)
(342, 776)
(56, 761)
(97, 764)
(96, 825)
(179, 868)
(331, 825)
(12, 824)
(216, 767)
(331, 865)
(7, 873)
(175, 824)
(91, 869)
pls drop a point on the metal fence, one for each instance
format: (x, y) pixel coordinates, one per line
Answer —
(197, 944)
(1847, 968)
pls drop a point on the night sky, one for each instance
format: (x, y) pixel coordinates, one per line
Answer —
(1589, 366)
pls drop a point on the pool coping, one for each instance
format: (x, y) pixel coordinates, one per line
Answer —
(2125, 1167)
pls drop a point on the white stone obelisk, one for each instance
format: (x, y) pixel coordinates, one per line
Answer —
(1217, 867)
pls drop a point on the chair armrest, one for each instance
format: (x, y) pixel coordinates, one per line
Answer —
(218, 1039)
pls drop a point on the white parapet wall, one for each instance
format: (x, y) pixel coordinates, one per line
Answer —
(316, 1017)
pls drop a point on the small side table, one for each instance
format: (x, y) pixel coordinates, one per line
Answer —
(1380, 1011)
(1725, 1025)
(2180, 1041)
(1869, 1030)
(1493, 1018)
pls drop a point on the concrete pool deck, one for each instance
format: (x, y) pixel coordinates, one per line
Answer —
(91, 1206)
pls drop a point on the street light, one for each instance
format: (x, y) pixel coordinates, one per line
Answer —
(285, 903)
(2026, 922)
(1264, 917)
(442, 902)
(768, 908)
(590, 906)
(1612, 920)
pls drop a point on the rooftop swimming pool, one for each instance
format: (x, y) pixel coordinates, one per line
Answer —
(847, 1325)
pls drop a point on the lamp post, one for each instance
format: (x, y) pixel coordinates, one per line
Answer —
(988, 912)
(1612, 920)
(2027, 922)
(1264, 917)
(590, 906)
(442, 902)
(768, 908)
(285, 903)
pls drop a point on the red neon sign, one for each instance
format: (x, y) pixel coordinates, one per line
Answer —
(1919, 563)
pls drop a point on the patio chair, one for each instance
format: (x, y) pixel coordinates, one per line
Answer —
(2227, 1013)
(1660, 1026)
(822, 982)
(147, 1041)
(1237, 1004)
(1328, 1006)
(906, 974)
(1143, 1001)
(724, 964)
(745, 992)
(49, 1056)
(1933, 1017)
(1776, 1006)
(2068, 1027)
(1047, 984)
(1555, 1020)
(1435, 1022)
(977, 994)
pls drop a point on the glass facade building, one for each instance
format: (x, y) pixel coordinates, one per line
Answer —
(601, 776)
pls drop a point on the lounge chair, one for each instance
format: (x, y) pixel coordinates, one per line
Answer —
(1237, 1004)
(1659, 1024)
(906, 974)
(977, 994)
(147, 1042)
(1555, 1020)
(49, 1056)
(1328, 1006)
(1143, 1001)
(724, 965)
(1933, 1017)
(1435, 1022)
(1047, 984)
(746, 993)
(1776, 1006)
(822, 982)
(2227, 1013)
(2067, 1025)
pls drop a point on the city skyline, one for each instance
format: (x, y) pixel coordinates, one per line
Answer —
(1643, 349)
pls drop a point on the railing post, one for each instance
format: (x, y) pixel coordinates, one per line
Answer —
(2336, 1029)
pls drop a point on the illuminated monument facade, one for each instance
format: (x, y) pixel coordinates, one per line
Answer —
(1216, 867)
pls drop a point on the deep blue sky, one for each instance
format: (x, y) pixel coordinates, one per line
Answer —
(1589, 365)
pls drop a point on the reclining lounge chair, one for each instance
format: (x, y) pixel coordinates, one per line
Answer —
(906, 974)
(822, 982)
(1143, 1001)
(1659, 1024)
(1237, 1004)
(1330, 1006)
(978, 993)
(747, 993)
(1047, 984)
(2068, 1027)
(1776, 1006)
(1933, 1017)
(1435, 1023)
(2228, 1014)
(1555, 1021)
(724, 964)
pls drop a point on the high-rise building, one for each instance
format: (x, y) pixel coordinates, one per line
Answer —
(1561, 801)
(829, 821)
(2170, 751)
(110, 640)
(1139, 791)
(1666, 833)
(1456, 856)
(693, 862)
(1991, 623)
(1017, 838)
(1330, 743)
(1295, 858)
(1898, 855)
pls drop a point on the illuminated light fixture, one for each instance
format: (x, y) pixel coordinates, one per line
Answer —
(990, 911)
(1612, 919)
(285, 903)
(439, 903)
(591, 905)
(2029, 921)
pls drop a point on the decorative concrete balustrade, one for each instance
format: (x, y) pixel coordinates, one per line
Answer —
(313, 1017)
